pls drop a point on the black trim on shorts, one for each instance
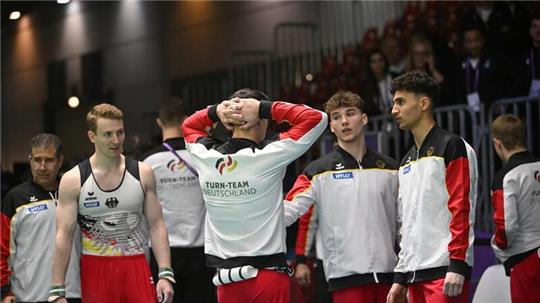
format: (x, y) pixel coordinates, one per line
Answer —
(359, 279)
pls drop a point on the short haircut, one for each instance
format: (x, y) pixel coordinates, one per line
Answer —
(510, 130)
(172, 111)
(250, 93)
(344, 99)
(103, 110)
(419, 83)
(46, 140)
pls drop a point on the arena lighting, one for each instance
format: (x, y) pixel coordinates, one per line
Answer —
(309, 77)
(62, 1)
(14, 15)
(73, 102)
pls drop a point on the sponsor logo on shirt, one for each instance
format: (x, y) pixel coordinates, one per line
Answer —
(340, 166)
(37, 208)
(430, 151)
(380, 164)
(33, 199)
(226, 164)
(91, 204)
(111, 202)
(341, 176)
(176, 165)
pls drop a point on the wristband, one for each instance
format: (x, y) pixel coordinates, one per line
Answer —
(56, 291)
(166, 273)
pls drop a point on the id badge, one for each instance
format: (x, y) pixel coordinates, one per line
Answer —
(534, 91)
(473, 99)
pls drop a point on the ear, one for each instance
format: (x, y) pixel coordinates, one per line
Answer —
(60, 161)
(159, 124)
(364, 119)
(91, 136)
(425, 103)
(331, 128)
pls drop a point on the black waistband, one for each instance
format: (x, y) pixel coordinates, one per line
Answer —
(360, 279)
(515, 259)
(275, 260)
(426, 275)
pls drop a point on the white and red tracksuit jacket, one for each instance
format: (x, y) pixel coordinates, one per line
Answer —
(516, 205)
(437, 198)
(242, 184)
(356, 209)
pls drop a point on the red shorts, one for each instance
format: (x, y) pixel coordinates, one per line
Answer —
(125, 279)
(432, 292)
(525, 280)
(369, 293)
(268, 287)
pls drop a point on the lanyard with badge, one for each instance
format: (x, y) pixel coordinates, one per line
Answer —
(191, 169)
(534, 90)
(473, 98)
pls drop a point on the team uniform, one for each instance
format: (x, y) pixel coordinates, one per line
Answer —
(181, 199)
(437, 196)
(113, 265)
(308, 247)
(242, 187)
(356, 204)
(516, 204)
(28, 223)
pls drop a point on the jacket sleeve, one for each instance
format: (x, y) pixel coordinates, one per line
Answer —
(306, 122)
(5, 240)
(460, 204)
(197, 125)
(505, 213)
(305, 238)
(299, 199)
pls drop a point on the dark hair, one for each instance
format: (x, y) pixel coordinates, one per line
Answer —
(172, 111)
(46, 140)
(510, 130)
(473, 26)
(344, 99)
(250, 93)
(419, 83)
(535, 15)
(368, 60)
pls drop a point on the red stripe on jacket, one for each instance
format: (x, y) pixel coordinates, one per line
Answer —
(458, 183)
(497, 199)
(301, 184)
(5, 233)
(196, 126)
(301, 117)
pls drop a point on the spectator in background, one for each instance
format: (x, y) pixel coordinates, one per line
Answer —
(421, 58)
(479, 76)
(527, 80)
(183, 207)
(376, 86)
(28, 224)
(516, 205)
(391, 47)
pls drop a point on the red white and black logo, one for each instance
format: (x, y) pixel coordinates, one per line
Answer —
(537, 175)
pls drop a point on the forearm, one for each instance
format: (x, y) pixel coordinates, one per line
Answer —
(160, 244)
(62, 255)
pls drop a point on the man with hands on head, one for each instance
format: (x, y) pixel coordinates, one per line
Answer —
(108, 195)
(436, 200)
(241, 180)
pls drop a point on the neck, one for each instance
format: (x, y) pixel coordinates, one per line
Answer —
(171, 132)
(356, 148)
(49, 186)
(379, 77)
(510, 153)
(246, 134)
(421, 130)
(105, 163)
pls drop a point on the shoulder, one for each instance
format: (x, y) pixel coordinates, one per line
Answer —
(155, 150)
(323, 164)
(16, 195)
(383, 161)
